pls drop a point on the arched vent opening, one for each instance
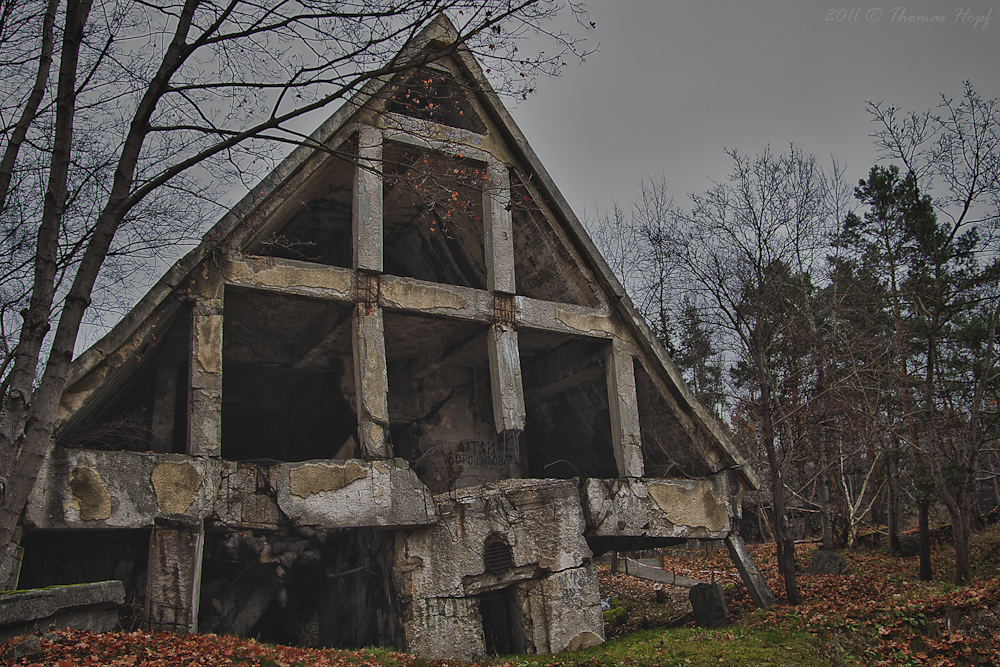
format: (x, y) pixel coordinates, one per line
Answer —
(497, 555)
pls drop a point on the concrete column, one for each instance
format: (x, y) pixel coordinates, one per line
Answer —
(164, 401)
(754, 580)
(371, 381)
(624, 410)
(505, 379)
(205, 379)
(173, 577)
(368, 200)
(498, 229)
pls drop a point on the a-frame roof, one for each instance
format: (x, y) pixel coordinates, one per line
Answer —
(106, 363)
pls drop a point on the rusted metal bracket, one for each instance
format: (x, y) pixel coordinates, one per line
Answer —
(504, 310)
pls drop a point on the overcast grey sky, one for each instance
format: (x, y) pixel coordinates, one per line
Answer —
(675, 82)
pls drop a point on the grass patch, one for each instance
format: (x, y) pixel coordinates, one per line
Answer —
(726, 647)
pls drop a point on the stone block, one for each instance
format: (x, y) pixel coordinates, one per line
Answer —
(709, 605)
(83, 607)
(827, 562)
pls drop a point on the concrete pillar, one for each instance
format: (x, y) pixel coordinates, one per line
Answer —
(624, 410)
(367, 219)
(205, 379)
(505, 379)
(164, 401)
(10, 564)
(173, 577)
(498, 229)
(754, 580)
(371, 381)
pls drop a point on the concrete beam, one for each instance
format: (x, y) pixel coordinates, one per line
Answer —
(624, 410)
(754, 580)
(82, 489)
(289, 276)
(286, 276)
(367, 221)
(505, 378)
(204, 437)
(173, 583)
(498, 229)
(567, 318)
(371, 381)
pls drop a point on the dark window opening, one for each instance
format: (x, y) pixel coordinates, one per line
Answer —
(440, 402)
(305, 587)
(148, 411)
(433, 225)
(664, 449)
(503, 629)
(438, 97)
(66, 557)
(568, 423)
(545, 265)
(319, 224)
(288, 378)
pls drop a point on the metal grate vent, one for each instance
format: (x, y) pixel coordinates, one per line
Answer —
(497, 555)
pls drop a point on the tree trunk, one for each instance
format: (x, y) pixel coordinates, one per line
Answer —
(892, 505)
(826, 515)
(783, 535)
(924, 530)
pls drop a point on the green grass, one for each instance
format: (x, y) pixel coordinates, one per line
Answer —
(726, 647)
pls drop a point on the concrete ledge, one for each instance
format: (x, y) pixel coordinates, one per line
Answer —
(80, 607)
(674, 508)
(353, 492)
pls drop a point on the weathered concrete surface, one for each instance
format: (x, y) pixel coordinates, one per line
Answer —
(499, 234)
(91, 607)
(445, 629)
(505, 375)
(205, 413)
(87, 488)
(173, 578)
(352, 493)
(754, 580)
(551, 572)
(678, 508)
(368, 200)
(624, 409)
(288, 276)
(372, 385)
(561, 610)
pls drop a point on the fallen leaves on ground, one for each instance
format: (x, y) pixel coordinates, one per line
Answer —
(876, 613)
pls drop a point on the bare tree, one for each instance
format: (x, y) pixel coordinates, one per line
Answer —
(952, 246)
(113, 125)
(746, 247)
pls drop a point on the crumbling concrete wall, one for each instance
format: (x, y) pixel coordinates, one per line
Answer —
(673, 508)
(439, 571)
(89, 489)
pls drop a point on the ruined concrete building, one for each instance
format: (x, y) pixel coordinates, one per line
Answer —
(395, 397)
